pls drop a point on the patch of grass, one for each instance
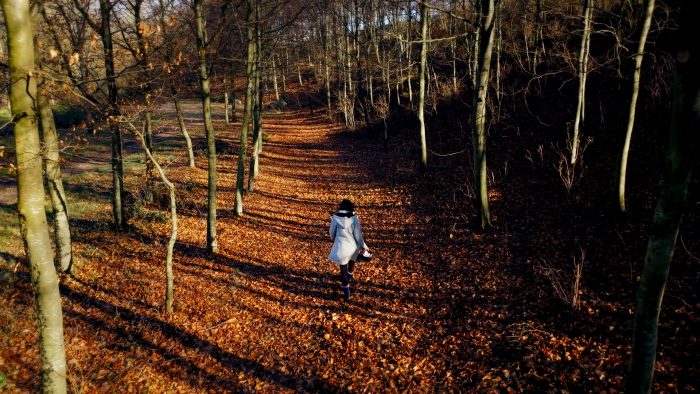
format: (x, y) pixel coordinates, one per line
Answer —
(139, 212)
(5, 116)
(9, 232)
(3, 380)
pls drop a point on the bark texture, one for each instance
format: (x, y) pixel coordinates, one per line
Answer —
(483, 73)
(681, 156)
(638, 57)
(212, 244)
(32, 218)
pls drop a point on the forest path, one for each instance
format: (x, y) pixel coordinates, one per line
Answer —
(284, 294)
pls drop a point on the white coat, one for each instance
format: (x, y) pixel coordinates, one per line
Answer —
(347, 238)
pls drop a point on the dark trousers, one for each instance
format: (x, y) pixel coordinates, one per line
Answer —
(345, 273)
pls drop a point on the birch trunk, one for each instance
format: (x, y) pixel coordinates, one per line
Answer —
(486, 34)
(274, 79)
(52, 166)
(227, 109)
(169, 277)
(421, 84)
(638, 57)
(183, 126)
(582, 74)
(326, 71)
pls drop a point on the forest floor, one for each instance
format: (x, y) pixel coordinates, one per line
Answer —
(439, 308)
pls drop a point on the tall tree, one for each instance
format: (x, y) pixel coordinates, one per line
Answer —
(142, 57)
(323, 22)
(52, 165)
(681, 157)
(169, 277)
(111, 107)
(30, 189)
(486, 33)
(421, 82)
(254, 165)
(202, 44)
(249, 101)
(638, 57)
(173, 64)
(582, 74)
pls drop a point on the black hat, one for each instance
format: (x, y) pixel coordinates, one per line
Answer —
(346, 205)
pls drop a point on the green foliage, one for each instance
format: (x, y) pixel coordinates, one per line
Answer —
(3, 380)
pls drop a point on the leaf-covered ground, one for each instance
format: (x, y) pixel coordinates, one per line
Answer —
(440, 308)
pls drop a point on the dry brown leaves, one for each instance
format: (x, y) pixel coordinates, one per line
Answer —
(437, 309)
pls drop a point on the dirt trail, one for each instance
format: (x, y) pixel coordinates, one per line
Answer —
(287, 298)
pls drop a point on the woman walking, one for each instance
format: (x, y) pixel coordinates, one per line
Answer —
(348, 243)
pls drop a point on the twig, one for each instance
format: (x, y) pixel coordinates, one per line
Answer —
(446, 154)
(223, 323)
(686, 249)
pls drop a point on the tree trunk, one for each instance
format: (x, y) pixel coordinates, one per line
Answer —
(52, 166)
(486, 34)
(183, 127)
(30, 193)
(538, 36)
(274, 79)
(257, 107)
(284, 71)
(421, 83)
(226, 108)
(233, 107)
(350, 99)
(474, 64)
(169, 278)
(638, 57)
(146, 87)
(409, 56)
(114, 113)
(148, 140)
(681, 157)
(499, 41)
(248, 106)
(453, 51)
(326, 71)
(212, 243)
(582, 74)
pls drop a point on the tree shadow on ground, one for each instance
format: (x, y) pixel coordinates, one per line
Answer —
(129, 328)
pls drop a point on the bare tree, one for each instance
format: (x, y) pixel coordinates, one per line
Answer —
(421, 83)
(681, 157)
(486, 34)
(582, 75)
(638, 57)
(30, 189)
(202, 44)
(52, 162)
